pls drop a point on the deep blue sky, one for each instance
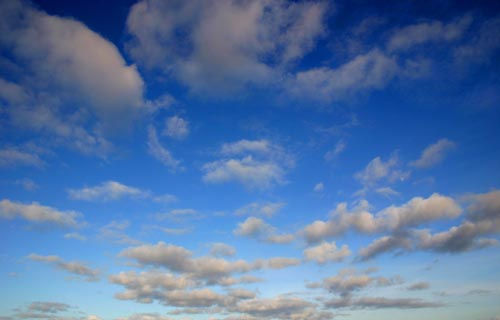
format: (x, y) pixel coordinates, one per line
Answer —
(264, 159)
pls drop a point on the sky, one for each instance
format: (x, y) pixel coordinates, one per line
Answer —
(244, 160)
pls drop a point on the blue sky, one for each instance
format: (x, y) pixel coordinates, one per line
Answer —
(249, 160)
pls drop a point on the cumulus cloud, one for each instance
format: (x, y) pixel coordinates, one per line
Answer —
(434, 154)
(266, 209)
(37, 213)
(257, 164)
(72, 84)
(73, 267)
(256, 228)
(326, 252)
(176, 127)
(159, 152)
(109, 190)
(221, 249)
(222, 46)
(425, 32)
(415, 212)
(349, 281)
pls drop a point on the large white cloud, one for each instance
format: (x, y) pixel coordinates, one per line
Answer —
(223, 45)
(70, 82)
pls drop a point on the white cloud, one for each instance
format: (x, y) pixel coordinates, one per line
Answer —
(432, 31)
(266, 209)
(73, 267)
(319, 187)
(176, 127)
(253, 227)
(109, 190)
(415, 212)
(115, 232)
(38, 213)
(224, 45)
(247, 171)
(221, 249)
(159, 152)
(372, 70)
(10, 157)
(75, 235)
(377, 170)
(27, 184)
(326, 252)
(434, 154)
(64, 63)
(243, 146)
(339, 148)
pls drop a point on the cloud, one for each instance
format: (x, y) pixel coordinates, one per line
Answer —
(326, 252)
(280, 238)
(339, 148)
(253, 227)
(27, 184)
(11, 157)
(109, 190)
(159, 152)
(64, 63)
(48, 307)
(176, 127)
(382, 303)
(425, 32)
(385, 244)
(386, 191)
(217, 47)
(145, 316)
(281, 262)
(349, 281)
(266, 209)
(260, 165)
(368, 71)
(415, 212)
(37, 213)
(434, 154)
(482, 46)
(419, 286)
(115, 232)
(73, 267)
(378, 170)
(75, 235)
(219, 249)
(319, 187)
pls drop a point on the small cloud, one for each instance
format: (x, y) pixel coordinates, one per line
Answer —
(339, 148)
(27, 184)
(176, 127)
(75, 236)
(319, 187)
(434, 154)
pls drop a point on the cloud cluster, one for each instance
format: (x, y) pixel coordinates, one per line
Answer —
(222, 46)
(258, 229)
(415, 212)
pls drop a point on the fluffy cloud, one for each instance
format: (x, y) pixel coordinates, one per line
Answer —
(159, 152)
(382, 303)
(109, 190)
(220, 46)
(371, 70)
(483, 219)
(73, 267)
(415, 212)
(70, 79)
(176, 127)
(221, 249)
(266, 209)
(434, 154)
(348, 281)
(39, 214)
(377, 170)
(256, 228)
(326, 252)
(425, 32)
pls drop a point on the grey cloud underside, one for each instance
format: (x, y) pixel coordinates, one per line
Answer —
(73, 267)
